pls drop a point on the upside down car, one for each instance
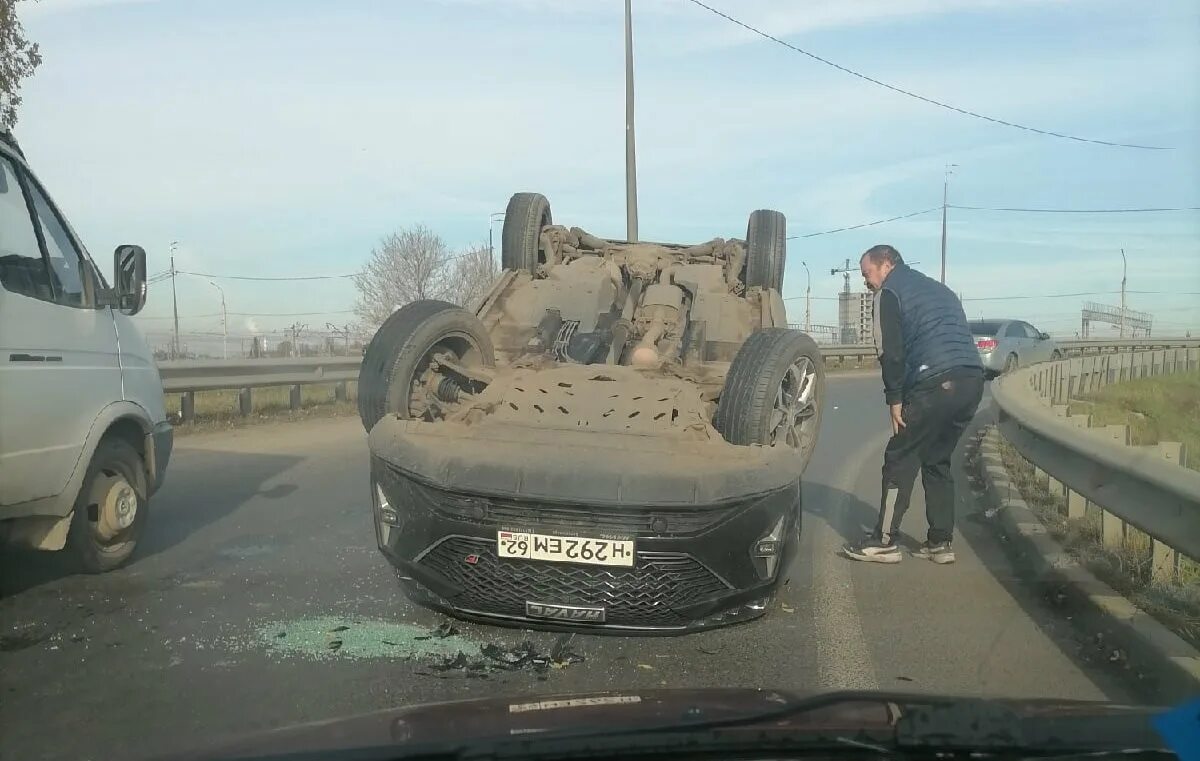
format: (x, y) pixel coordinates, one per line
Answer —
(611, 439)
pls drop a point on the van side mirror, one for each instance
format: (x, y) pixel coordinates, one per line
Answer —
(1044, 336)
(129, 269)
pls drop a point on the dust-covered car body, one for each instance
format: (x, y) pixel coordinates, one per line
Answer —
(613, 438)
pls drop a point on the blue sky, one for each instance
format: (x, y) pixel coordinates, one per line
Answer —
(286, 136)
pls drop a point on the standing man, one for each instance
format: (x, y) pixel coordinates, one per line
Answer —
(932, 382)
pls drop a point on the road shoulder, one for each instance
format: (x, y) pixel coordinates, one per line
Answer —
(1169, 664)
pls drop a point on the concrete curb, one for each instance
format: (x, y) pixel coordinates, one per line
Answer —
(1174, 664)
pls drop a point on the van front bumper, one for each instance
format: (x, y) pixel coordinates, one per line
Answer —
(159, 443)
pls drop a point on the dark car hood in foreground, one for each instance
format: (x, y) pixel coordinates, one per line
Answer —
(850, 715)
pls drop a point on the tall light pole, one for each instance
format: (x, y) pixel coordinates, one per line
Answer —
(174, 304)
(224, 322)
(807, 299)
(1124, 269)
(496, 215)
(631, 220)
(945, 208)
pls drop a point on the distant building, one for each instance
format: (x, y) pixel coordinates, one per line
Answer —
(856, 313)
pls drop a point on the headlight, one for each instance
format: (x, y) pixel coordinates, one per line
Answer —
(768, 548)
(387, 513)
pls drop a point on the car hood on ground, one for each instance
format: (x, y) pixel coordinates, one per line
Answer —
(489, 719)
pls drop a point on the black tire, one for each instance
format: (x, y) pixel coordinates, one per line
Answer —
(115, 458)
(526, 215)
(744, 412)
(1010, 363)
(766, 249)
(399, 350)
(1057, 355)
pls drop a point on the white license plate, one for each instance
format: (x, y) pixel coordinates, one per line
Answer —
(565, 549)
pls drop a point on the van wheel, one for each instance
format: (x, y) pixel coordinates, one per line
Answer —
(110, 511)
(1010, 364)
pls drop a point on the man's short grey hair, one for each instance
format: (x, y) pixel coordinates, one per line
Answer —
(883, 253)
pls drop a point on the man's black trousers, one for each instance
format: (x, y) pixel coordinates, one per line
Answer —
(936, 412)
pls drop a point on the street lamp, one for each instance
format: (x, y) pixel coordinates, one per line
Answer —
(224, 322)
(631, 216)
(1124, 269)
(492, 218)
(807, 300)
(945, 206)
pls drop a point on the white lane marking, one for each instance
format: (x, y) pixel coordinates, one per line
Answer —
(843, 657)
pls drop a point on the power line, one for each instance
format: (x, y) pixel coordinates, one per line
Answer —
(911, 94)
(1043, 296)
(250, 314)
(1077, 211)
(252, 277)
(865, 224)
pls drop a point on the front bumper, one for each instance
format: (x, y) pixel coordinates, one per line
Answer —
(161, 441)
(696, 565)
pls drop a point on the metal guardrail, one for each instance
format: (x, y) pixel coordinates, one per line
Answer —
(1096, 468)
(207, 375)
(187, 377)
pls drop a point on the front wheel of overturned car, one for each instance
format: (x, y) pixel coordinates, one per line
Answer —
(773, 392)
(401, 373)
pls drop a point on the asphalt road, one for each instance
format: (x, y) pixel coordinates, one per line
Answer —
(260, 549)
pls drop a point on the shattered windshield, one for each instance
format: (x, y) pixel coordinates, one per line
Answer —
(595, 363)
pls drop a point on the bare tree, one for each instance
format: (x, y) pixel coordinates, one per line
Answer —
(474, 272)
(414, 264)
(18, 58)
(407, 266)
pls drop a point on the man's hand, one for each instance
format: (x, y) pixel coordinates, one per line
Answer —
(897, 417)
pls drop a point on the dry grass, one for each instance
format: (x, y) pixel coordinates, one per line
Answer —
(1166, 408)
(1127, 568)
(218, 410)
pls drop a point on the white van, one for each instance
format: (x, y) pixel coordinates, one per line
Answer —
(84, 437)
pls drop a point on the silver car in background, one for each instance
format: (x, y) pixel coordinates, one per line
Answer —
(1005, 345)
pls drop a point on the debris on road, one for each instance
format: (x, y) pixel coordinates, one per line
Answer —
(443, 648)
(493, 657)
(324, 637)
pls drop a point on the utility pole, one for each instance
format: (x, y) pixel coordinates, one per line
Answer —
(1124, 269)
(631, 219)
(807, 299)
(295, 329)
(343, 331)
(174, 304)
(491, 219)
(224, 322)
(945, 210)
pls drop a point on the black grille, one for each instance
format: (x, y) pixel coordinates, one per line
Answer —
(626, 521)
(645, 595)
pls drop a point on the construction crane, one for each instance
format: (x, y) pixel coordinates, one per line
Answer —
(845, 271)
